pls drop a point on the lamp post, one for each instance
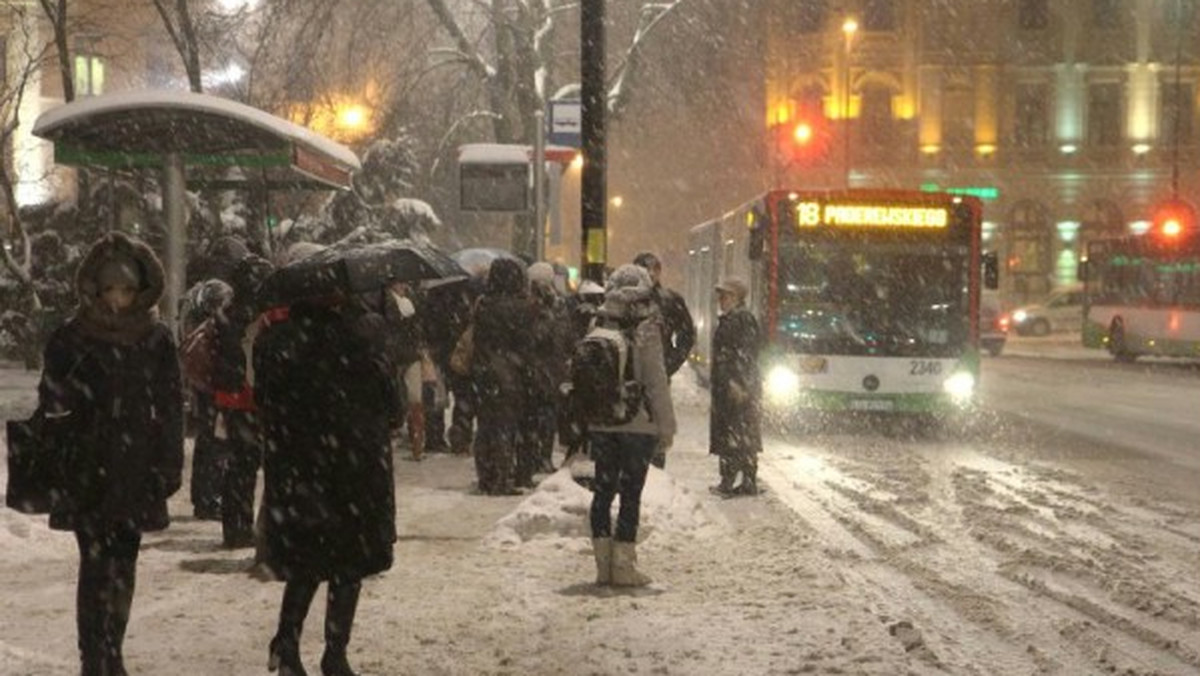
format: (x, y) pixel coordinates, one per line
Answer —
(849, 28)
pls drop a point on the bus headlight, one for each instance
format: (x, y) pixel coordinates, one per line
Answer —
(960, 386)
(783, 384)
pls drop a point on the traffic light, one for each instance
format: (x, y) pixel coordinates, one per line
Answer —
(803, 141)
(1174, 220)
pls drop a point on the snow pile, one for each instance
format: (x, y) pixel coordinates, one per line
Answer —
(559, 509)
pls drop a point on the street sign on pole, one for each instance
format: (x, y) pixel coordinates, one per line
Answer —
(566, 123)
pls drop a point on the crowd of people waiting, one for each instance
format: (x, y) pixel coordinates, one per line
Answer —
(314, 393)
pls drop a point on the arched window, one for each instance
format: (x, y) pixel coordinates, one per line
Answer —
(877, 122)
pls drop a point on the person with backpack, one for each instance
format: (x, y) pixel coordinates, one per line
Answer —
(111, 390)
(735, 436)
(620, 387)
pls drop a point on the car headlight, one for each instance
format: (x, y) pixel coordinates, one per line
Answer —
(783, 384)
(960, 386)
(1019, 316)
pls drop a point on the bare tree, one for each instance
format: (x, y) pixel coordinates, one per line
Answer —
(177, 20)
(15, 244)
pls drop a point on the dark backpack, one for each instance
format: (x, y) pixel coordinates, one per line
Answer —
(198, 356)
(603, 388)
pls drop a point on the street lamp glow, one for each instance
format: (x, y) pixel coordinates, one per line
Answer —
(352, 117)
(617, 201)
(850, 26)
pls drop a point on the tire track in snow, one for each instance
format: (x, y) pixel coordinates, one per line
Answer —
(944, 520)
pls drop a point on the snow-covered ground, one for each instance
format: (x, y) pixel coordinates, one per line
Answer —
(870, 554)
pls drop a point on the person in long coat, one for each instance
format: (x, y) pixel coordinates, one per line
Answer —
(112, 394)
(325, 390)
(505, 340)
(735, 435)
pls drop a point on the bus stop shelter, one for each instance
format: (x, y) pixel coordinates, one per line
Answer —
(173, 131)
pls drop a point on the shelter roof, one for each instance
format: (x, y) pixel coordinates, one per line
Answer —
(136, 128)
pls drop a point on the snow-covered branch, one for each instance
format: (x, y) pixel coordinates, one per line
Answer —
(652, 16)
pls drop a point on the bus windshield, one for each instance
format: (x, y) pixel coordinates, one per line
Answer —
(873, 298)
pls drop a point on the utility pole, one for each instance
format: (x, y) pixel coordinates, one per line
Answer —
(593, 188)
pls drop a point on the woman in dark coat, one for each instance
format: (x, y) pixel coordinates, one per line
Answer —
(112, 394)
(505, 339)
(735, 435)
(325, 391)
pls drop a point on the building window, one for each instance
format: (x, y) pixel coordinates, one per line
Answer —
(810, 16)
(89, 70)
(1033, 14)
(1032, 119)
(958, 118)
(1104, 115)
(1177, 114)
(1106, 13)
(876, 116)
(879, 15)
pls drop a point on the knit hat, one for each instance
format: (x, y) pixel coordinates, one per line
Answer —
(120, 270)
(629, 276)
(541, 273)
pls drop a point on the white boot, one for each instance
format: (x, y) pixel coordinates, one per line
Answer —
(624, 566)
(603, 550)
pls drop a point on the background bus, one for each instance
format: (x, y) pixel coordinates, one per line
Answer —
(1142, 294)
(869, 299)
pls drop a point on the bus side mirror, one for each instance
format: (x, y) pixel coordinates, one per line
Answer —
(991, 271)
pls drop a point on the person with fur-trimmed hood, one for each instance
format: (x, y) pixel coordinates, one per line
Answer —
(112, 396)
(622, 453)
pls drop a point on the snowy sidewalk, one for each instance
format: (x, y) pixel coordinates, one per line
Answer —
(486, 585)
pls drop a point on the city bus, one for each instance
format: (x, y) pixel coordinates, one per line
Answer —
(869, 299)
(1142, 295)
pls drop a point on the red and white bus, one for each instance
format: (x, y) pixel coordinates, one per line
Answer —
(1142, 292)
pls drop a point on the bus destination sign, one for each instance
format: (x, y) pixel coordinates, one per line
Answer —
(811, 214)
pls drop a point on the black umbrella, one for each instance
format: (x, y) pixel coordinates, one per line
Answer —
(350, 269)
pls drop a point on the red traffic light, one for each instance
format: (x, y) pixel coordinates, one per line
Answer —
(1174, 219)
(804, 141)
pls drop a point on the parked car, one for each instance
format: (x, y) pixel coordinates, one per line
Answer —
(993, 325)
(1060, 311)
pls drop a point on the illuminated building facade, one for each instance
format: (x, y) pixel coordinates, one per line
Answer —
(1072, 119)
